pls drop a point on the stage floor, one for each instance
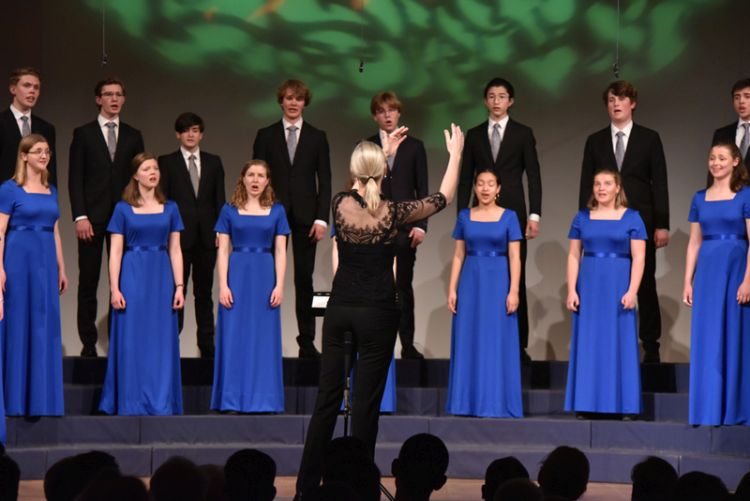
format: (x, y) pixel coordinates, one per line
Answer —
(454, 490)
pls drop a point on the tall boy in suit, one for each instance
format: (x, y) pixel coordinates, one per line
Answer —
(194, 179)
(298, 155)
(19, 121)
(637, 153)
(100, 158)
(509, 148)
(406, 179)
(738, 131)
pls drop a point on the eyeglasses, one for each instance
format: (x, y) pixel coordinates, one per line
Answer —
(112, 94)
(40, 152)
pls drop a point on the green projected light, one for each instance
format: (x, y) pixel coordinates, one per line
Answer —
(429, 49)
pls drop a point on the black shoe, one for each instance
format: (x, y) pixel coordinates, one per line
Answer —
(89, 351)
(629, 417)
(525, 358)
(308, 352)
(651, 357)
(411, 353)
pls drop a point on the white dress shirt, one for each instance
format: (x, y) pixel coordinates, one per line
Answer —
(18, 114)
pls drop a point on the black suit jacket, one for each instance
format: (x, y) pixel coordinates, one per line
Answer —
(644, 172)
(304, 188)
(407, 180)
(517, 155)
(95, 182)
(10, 136)
(199, 213)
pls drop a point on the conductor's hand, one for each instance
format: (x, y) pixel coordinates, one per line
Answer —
(572, 302)
(392, 140)
(277, 296)
(316, 233)
(452, 299)
(454, 140)
(84, 230)
(225, 297)
(117, 300)
(179, 299)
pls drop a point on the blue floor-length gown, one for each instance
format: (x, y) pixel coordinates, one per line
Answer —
(720, 329)
(32, 340)
(248, 374)
(485, 367)
(143, 363)
(604, 370)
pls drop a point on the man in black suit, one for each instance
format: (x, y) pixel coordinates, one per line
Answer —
(509, 148)
(737, 132)
(406, 179)
(301, 176)
(18, 121)
(100, 158)
(195, 180)
(638, 154)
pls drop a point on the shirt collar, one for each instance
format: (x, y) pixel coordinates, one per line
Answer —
(740, 122)
(102, 120)
(627, 129)
(287, 123)
(18, 113)
(503, 122)
(186, 154)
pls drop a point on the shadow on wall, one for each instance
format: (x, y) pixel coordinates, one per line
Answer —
(675, 346)
(439, 320)
(549, 321)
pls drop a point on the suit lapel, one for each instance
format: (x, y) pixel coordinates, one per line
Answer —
(280, 140)
(12, 124)
(629, 151)
(204, 173)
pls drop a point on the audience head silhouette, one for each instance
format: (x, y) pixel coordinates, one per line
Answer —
(565, 472)
(420, 467)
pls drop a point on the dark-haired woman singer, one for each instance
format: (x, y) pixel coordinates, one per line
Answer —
(363, 297)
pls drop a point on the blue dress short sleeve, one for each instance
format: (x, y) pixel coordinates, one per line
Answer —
(745, 192)
(282, 225)
(693, 214)
(514, 227)
(175, 221)
(575, 226)
(458, 231)
(117, 222)
(636, 228)
(8, 196)
(224, 222)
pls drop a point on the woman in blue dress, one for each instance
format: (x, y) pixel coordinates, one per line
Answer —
(717, 286)
(32, 276)
(145, 275)
(248, 374)
(485, 370)
(605, 267)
